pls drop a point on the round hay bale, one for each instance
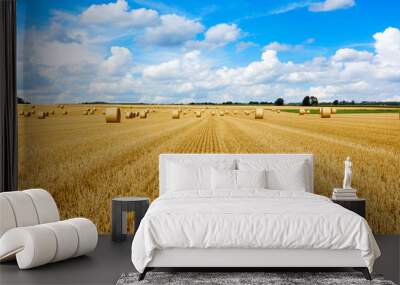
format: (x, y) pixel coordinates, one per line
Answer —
(333, 110)
(302, 112)
(113, 115)
(94, 109)
(33, 112)
(33, 106)
(259, 113)
(62, 106)
(308, 112)
(246, 113)
(143, 115)
(226, 112)
(21, 113)
(221, 113)
(27, 114)
(273, 110)
(278, 111)
(52, 112)
(175, 114)
(235, 112)
(92, 112)
(212, 113)
(46, 113)
(65, 113)
(129, 115)
(153, 111)
(104, 112)
(326, 112)
(85, 112)
(198, 114)
(41, 115)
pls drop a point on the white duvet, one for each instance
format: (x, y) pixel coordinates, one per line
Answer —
(250, 219)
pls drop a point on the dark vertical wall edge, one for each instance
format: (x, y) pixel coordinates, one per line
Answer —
(8, 98)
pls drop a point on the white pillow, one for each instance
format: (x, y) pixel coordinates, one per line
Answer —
(293, 179)
(182, 177)
(285, 174)
(223, 179)
(251, 178)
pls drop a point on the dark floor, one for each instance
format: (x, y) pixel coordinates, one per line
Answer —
(110, 260)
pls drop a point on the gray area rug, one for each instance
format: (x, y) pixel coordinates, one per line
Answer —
(269, 278)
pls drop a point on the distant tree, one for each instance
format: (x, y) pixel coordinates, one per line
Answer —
(313, 100)
(336, 102)
(253, 103)
(22, 101)
(352, 102)
(306, 101)
(279, 102)
(228, 103)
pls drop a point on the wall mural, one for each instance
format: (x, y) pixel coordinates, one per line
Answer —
(263, 78)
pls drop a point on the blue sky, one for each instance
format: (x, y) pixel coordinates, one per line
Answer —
(183, 51)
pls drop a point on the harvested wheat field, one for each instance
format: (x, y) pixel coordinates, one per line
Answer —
(84, 161)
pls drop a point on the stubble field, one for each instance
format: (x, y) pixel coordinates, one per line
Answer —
(85, 162)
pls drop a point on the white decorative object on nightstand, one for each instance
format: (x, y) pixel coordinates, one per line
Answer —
(347, 173)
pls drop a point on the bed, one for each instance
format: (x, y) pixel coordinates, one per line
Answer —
(246, 211)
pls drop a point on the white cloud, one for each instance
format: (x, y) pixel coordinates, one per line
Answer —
(277, 46)
(242, 46)
(323, 6)
(118, 13)
(118, 63)
(166, 70)
(331, 5)
(270, 58)
(282, 47)
(218, 36)
(348, 54)
(61, 54)
(173, 30)
(290, 7)
(182, 68)
(387, 46)
(222, 34)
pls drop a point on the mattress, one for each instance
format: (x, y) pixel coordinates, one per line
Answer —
(250, 219)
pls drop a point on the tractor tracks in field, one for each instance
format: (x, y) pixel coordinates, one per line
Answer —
(205, 140)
